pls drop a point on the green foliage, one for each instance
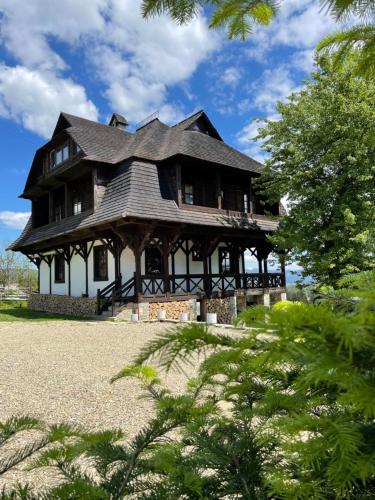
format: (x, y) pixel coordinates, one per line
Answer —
(16, 270)
(238, 16)
(19, 311)
(282, 409)
(323, 158)
(342, 44)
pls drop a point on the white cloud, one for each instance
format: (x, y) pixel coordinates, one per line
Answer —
(14, 220)
(275, 84)
(299, 24)
(27, 26)
(34, 98)
(137, 60)
(231, 76)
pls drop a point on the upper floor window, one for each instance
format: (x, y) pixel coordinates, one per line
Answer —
(59, 268)
(188, 194)
(77, 206)
(58, 213)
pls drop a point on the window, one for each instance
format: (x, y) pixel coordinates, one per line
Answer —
(100, 263)
(153, 261)
(76, 149)
(58, 213)
(197, 255)
(77, 206)
(227, 261)
(188, 194)
(59, 268)
(59, 155)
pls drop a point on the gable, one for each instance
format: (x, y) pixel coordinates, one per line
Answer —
(62, 124)
(203, 124)
(199, 122)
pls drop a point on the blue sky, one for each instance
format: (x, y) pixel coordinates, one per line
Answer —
(93, 57)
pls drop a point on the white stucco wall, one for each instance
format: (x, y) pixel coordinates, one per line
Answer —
(127, 264)
(127, 269)
(78, 276)
(44, 277)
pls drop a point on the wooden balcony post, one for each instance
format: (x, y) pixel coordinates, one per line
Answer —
(138, 272)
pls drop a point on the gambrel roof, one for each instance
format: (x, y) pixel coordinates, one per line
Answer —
(136, 192)
(155, 141)
(135, 189)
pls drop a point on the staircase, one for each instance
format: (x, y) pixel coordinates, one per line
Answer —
(112, 299)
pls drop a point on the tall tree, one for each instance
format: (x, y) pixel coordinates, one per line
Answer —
(322, 156)
(16, 271)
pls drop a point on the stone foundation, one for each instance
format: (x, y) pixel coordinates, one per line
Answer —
(226, 309)
(63, 304)
(173, 309)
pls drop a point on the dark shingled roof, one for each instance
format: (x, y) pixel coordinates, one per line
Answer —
(155, 141)
(136, 190)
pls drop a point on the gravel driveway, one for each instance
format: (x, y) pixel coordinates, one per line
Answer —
(60, 371)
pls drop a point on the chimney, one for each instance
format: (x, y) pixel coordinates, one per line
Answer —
(118, 121)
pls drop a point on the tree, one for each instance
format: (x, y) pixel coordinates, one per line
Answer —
(360, 37)
(322, 156)
(16, 270)
(240, 16)
(284, 409)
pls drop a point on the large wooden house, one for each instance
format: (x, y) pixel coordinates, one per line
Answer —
(137, 222)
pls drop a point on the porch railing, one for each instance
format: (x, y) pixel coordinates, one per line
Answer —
(180, 284)
(184, 284)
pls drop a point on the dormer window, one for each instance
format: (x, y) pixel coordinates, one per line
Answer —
(59, 155)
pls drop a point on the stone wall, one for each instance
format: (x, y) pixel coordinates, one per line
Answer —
(63, 304)
(226, 309)
(173, 309)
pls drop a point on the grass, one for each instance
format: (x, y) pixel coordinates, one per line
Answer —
(19, 311)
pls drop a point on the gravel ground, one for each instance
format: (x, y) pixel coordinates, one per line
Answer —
(60, 372)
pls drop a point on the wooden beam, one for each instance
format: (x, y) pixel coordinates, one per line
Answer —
(178, 184)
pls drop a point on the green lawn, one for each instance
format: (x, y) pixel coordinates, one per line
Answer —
(18, 311)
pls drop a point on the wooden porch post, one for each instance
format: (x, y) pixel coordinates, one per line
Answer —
(260, 265)
(165, 250)
(49, 262)
(138, 273)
